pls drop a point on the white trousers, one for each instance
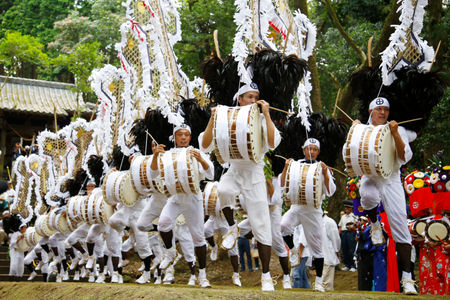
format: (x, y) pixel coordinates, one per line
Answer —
(393, 197)
(192, 209)
(127, 216)
(151, 211)
(156, 245)
(311, 219)
(255, 203)
(328, 277)
(183, 236)
(16, 266)
(277, 238)
(78, 235)
(57, 241)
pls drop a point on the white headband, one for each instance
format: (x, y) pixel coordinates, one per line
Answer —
(311, 141)
(182, 126)
(252, 87)
(379, 101)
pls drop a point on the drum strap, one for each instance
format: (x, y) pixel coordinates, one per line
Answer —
(169, 172)
(222, 134)
(309, 188)
(182, 168)
(242, 130)
(354, 147)
(294, 179)
(373, 154)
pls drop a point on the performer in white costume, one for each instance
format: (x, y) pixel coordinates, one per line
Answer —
(390, 191)
(308, 215)
(247, 178)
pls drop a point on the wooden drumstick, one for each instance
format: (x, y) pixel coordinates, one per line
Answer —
(340, 172)
(435, 54)
(216, 43)
(153, 139)
(345, 114)
(280, 110)
(407, 121)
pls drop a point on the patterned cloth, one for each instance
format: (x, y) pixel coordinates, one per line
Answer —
(434, 273)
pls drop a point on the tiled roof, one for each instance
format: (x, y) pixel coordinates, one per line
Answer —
(38, 96)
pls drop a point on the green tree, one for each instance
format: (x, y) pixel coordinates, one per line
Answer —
(35, 17)
(199, 19)
(80, 62)
(21, 54)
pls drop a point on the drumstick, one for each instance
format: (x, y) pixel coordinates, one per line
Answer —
(340, 109)
(412, 120)
(280, 110)
(153, 139)
(340, 172)
(435, 54)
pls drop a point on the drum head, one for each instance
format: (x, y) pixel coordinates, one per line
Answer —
(419, 227)
(107, 212)
(437, 230)
(23, 245)
(387, 152)
(256, 133)
(128, 195)
(61, 223)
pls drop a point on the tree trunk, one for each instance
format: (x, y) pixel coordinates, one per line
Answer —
(435, 12)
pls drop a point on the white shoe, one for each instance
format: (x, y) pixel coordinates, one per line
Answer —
(352, 270)
(66, 276)
(74, 263)
(141, 268)
(169, 276)
(213, 254)
(115, 277)
(84, 258)
(123, 263)
(236, 278)
(230, 238)
(169, 257)
(287, 282)
(84, 272)
(91, 277)
(158, 280)
(155, 263)
(376, 233)
(204, 283)
(90, 262)
(192, 280)
(344, 269)
(100, 278)
(39, 266)
(32, 275)
(318, 287)
(294, 257)
(145, 277)
(266, 283)
(408, 287)
(76, 276)
(58, 278)
(120, 278)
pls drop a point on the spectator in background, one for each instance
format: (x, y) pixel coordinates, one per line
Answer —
(331, 244)
(18, 150)
(10, 194)
(300, 272)
(348, 236)
(254, 253)
(244, 248)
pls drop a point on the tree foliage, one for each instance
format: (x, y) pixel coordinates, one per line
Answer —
(21, 52)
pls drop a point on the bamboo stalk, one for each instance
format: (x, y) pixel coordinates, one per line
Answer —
(340, 172)
(281, 156)
(55, 119)
(32, 143)
(153, 139)
(407, 121)
(93, 111)
(435, 55)
(216, 43)
(287, 37)
(345, 114)
(335, 102)
(369, 51)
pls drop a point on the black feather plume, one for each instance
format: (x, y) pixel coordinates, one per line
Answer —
(95, 167)
(196, 117)
(120, 161)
